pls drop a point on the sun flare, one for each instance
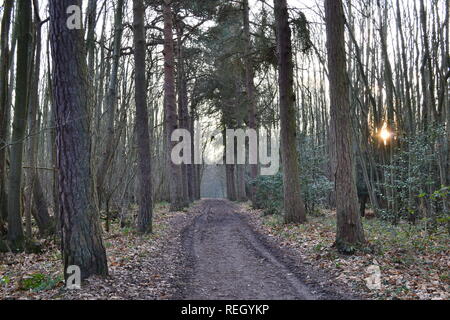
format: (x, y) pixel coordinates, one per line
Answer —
(385, 134)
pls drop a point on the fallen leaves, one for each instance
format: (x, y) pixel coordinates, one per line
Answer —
(140, 267)
(412, 264)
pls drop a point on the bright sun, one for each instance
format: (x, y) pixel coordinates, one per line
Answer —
(385, 134)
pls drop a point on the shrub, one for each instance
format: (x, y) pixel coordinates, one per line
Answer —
(38, 282)
(409, 185)
(314, 183)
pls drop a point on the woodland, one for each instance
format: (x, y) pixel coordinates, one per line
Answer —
(356, 92)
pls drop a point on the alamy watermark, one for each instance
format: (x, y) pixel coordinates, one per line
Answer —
(75, 17)
(73, 281)
(238, 142)
(373, 281)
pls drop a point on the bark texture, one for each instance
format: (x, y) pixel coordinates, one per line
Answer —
(349, 226)
(142, 129)
(177, 200)
(40, 213)
(249, 82)
(4, 68)
(81, 235)
(294, 207)
(15, 228)
(111, 103)
(183, 111)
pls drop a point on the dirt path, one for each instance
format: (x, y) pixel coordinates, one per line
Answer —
(228, 260)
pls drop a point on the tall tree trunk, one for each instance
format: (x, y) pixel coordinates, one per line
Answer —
(199, 175)
(429, 100)
(4, 69)
(446, 102)
(195, 167)
(241, 192)
(142, 129)
(294, 207)
(387, 74)
(15, 228)
(240, 183)
(177, 201)
(183, 112)
(231, 182)
(349, 226)
(53, 150)
(41, 214)
(90, 37)
(249, 82)
(81, 235)
(189, 167)
(111, 103)
(332, 162)
(404, 71)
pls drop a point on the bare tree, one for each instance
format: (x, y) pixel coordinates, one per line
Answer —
(111, 103)
(36, 196)
(4, 68)
(15, 229)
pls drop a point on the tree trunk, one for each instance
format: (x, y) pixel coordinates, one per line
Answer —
(249, 82)
(349, 226)
(175, 178)
(81, 235)
(427, 70)
(111, 102)
(142, 129)
(15, 228)
(332, 163)
(404, 71)
(4, 68)
(231, 182)
(294, 207)
(53, 149)
(195, 167)
(241, 193)
(240, 183)
(183, 112)
(41, 214)
(90, 37)
(387, 74)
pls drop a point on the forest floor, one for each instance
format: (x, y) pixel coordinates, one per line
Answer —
(221, 250)
(140, 267)
(228, 260)
(414, 262)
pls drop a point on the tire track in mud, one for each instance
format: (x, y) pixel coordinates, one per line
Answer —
(228, 261)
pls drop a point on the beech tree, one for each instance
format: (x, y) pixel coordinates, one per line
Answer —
(4, 68)
(113, 135)
(37, 201)
(15, 228)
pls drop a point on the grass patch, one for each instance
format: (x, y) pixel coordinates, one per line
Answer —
(39, 282)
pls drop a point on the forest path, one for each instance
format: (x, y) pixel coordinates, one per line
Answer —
(228, 260)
